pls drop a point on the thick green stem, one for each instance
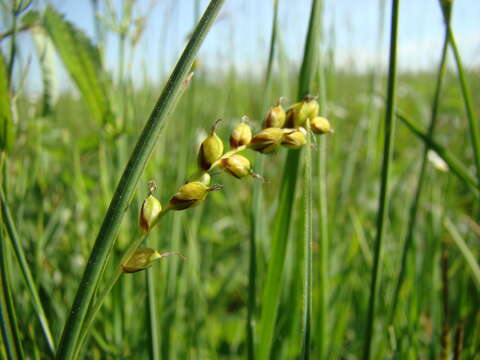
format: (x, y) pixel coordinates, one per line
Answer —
(127, 184)
(383, 205)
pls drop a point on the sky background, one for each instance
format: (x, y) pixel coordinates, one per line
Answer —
(241, 35)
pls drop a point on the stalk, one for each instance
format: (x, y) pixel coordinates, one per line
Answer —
(281, 226)
(26, 272)
(383, 205)
(127, 184)
(412, 220)
(257, 200)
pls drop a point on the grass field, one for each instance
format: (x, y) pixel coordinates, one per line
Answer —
(362, 244)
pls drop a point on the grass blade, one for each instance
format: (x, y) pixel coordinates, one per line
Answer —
(127, 184)
(26, 272)
(466, 252)
(453, 163)
(281, 226)
(82, 61)
(467, 97)
(389, 131)
(6, 121)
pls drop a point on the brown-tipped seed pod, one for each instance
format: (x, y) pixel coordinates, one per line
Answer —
(149, 213)
(141, 259)
(320, 125)
(237, 165)
(190, 195)
(298, 113)
(241, 135)
(276, 116)
(310, 106)
(267, 141)
(295, 139)
(211, 150)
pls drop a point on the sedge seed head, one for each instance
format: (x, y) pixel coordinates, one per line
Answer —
(190, 195)
(149, 213)
(237, 165)
(267, 141)
(295, 139)
(241, 135)
(276, 117)
(211, 150)
(141, 259)
(320, 125)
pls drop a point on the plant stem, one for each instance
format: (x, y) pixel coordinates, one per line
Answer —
(412, 220)
(26, 272)
(127, 184)
(281, 226)
(383, 205)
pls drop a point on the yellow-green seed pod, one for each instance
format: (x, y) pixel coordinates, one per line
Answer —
(211, 150)
(141, 259)
(149, 213)
(310, 106)
(205, 178)
(276, 116)
(320, 125)
(241, 135)
(237, 165)
(267, 141)
(190, 195)
(295, 139)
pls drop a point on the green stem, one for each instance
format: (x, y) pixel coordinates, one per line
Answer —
(152, 322)
(412, 220)
(127, 184)
(383, 205)
(281, 226)
(26, 272)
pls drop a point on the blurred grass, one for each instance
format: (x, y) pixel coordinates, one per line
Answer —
(62, 171)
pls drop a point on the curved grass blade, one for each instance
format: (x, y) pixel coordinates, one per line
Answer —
(466, 252)
(127, 184)
(272, 290)
(453, 163)
(389, 135)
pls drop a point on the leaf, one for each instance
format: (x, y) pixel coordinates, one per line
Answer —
(82, 61)
(6, 120)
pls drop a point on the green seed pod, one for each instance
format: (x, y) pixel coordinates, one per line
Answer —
(211, 149)
(190, 195)
(267, 141)
(237, 165)
(241, 135)
(204, 179)
(276, 116)
(149, 213)
(320, 125)
(298, 113)
(141, 259)
(295, 139)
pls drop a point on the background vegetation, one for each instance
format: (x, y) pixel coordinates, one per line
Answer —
(63, 157)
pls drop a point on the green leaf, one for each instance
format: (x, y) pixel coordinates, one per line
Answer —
(82, 61)
(6, 121)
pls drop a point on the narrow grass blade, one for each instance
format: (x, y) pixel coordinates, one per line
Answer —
(467, 97)
(26, 272)
(453, 163)
(421, 179)
(389, 131)
(464, 249)
(127, 184)
(272, 290)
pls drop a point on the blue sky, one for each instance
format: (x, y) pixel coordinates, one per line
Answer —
(242, 34)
